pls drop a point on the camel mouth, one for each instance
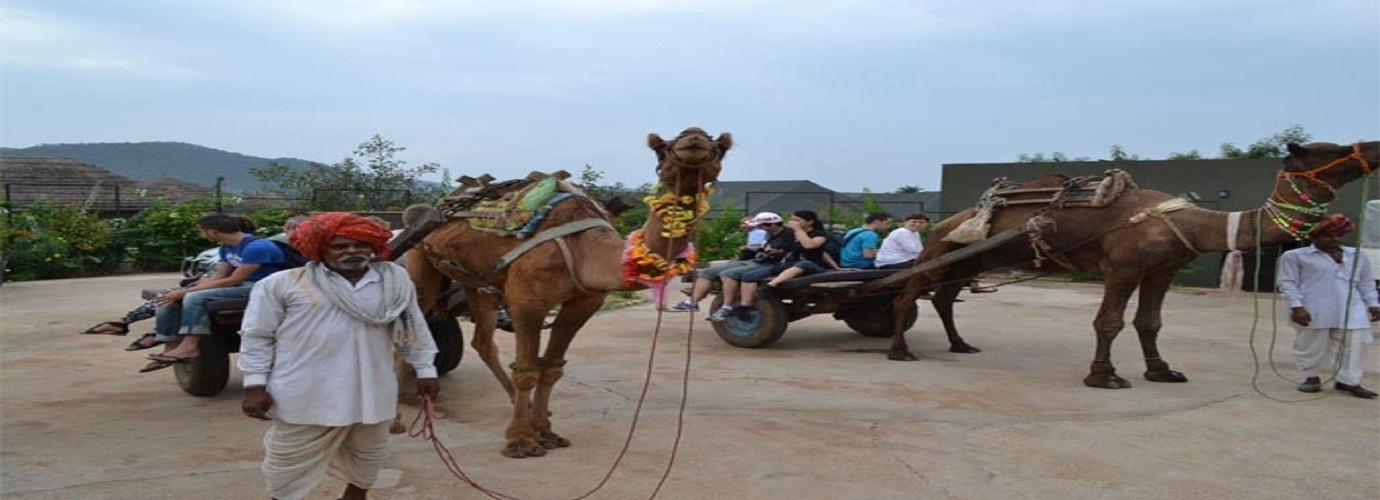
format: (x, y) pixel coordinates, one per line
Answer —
(694, 150)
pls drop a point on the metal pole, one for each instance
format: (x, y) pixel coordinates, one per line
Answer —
(220, 208)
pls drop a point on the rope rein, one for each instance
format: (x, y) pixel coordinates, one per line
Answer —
(423, 426)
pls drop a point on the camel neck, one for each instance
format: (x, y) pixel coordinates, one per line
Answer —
(1207, 230)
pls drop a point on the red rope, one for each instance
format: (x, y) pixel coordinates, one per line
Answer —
(423, 425)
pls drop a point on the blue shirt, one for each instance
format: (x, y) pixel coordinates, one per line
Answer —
(253, 250)
(852, 253)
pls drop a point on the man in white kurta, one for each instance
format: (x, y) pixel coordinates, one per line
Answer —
(317, 356)
(1330, 292)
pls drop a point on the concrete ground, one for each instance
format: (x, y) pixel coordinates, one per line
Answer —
(819, 415)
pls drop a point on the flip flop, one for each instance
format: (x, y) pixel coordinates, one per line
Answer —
(123, 328)
(139, 345)
(171, 359)
(159, 364)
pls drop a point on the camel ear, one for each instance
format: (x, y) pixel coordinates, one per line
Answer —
(1296, 150)
(725, 141)
(655, 142)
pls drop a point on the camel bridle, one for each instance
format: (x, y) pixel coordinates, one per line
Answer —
(1296, 217)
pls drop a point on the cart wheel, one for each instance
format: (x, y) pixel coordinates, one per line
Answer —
(208, 374)
(875, 320)
(450, 342)
(758, 328)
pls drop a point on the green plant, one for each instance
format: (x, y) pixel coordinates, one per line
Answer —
(48, 240)
(160, 236)
(719, 239)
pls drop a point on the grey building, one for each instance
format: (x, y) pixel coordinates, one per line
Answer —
(1226, 185)
(784, 197)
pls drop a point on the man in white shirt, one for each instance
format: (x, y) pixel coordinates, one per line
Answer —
(902, 245)
(1331, 296)
(317, 356)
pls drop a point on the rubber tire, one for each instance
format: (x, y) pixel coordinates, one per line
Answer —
(767, 325)
(210, 372)
(877, 321)
(450, 342)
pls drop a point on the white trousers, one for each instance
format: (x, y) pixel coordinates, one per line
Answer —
(297, 457)
(1313, 345)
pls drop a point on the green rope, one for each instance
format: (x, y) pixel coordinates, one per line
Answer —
(1274, 311)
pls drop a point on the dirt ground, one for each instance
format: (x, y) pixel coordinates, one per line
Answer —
(819, 415)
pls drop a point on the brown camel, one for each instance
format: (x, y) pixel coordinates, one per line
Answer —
(1144, 254)
(574, 272)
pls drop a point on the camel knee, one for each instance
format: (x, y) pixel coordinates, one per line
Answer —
(1111, 326)
(551, 370)
(1148, 326)
(525, 378)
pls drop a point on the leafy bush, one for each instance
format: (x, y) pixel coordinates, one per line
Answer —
(160, 236)
(48, 240)
(719, 239)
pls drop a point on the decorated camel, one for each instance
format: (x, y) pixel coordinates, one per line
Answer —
(1137, 238)
(568, 256)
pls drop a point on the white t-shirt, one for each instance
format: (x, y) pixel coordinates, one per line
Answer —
(899, 246)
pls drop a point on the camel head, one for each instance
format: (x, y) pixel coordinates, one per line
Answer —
(691, 160)
(1332, 164)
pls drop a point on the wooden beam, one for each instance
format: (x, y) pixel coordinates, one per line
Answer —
(1038, 223)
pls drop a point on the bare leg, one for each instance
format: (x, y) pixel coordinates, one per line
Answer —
(702, 288)
(730, 291)
(749, 294)
(1147, 323)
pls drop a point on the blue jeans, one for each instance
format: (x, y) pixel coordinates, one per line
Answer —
(189, 317)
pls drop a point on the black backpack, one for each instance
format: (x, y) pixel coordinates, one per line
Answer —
(291, 257)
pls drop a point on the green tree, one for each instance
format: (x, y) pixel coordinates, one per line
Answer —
(1269, 147)
(909, 189)
(1192, 154)
(373, 178)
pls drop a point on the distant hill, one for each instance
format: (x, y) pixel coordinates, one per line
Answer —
(148, 160)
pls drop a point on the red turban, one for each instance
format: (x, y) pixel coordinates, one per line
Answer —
(315, 234)
(1337, 224)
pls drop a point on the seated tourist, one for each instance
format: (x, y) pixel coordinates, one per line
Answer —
(771, 253)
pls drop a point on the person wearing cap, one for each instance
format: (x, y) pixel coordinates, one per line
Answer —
(317, 355)
(770, 253)
(1332, 301)
(756, 237)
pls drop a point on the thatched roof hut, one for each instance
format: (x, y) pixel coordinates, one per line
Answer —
(64, 180)
(172, 189)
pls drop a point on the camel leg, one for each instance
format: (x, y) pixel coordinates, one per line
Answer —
(1147, 323)
(484, 310)
(900, 307)
(527, 319)
(943, 302)
(1109, 322)
(573, 315)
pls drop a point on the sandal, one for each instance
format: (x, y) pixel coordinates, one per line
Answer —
(139, 344)
(161, 362)
(123, 328)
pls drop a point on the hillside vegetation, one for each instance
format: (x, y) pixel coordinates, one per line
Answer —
(148, 160)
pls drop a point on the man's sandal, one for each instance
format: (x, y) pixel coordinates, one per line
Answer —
(142, 343)
(122, 328)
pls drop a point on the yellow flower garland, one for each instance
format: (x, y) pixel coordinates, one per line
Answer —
(677, 212)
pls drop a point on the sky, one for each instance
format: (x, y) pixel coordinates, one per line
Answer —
(851, 94)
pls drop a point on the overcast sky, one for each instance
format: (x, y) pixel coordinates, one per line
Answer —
(851, 94)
